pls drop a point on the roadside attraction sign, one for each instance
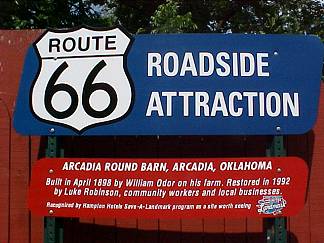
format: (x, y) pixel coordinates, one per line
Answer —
(89, 81)
(168, 188)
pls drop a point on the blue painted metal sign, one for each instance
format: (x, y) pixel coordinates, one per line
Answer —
(106, 82)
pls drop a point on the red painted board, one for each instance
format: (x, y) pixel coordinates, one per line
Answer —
(19, 178)
(299, 225)
(170, 230)
(36, 222)
(192, 230)
(316, 192)
(168, 188)
(147, 228)
(254, 146)
(4, 171)
(126, 228)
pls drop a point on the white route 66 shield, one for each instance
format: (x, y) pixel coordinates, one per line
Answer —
(82, 81)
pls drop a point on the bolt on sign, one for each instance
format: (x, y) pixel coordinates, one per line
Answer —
(168, 188)
(90, 81)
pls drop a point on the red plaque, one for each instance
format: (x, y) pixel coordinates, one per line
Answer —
(168, 188)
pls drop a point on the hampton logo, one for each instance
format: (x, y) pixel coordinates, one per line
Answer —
(271, 205)
(82, 79)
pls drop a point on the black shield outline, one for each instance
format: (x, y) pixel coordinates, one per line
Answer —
(79, 132)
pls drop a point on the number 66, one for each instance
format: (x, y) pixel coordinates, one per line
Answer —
(88, 89)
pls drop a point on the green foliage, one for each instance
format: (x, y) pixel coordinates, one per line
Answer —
(55, 13)
(166, 19)
(135, 15)
(7, 8)
(262, 16)
(162, 16)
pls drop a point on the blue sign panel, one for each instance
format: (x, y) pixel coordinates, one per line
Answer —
(106, 82)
